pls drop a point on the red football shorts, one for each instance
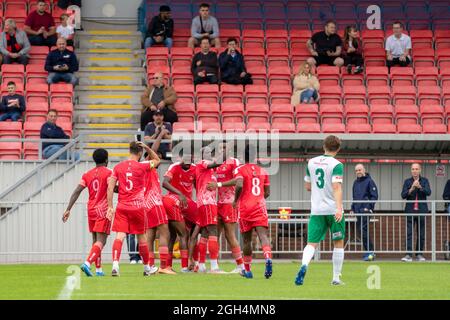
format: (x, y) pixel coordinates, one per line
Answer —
(156, 216)
(101, 225)
(130, 219)
(247, 225)
(227, 213)
(176, 213)
(207, 215)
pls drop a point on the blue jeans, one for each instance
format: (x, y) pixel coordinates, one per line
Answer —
(67, 77)
(307, 95)
(54, 148)
(168, 42)
(13, 115)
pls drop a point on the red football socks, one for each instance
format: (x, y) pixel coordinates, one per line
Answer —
(151, 258)
(213, 247)
(94, 254)
(143, 252)
(116, 249)
(163, 254)
(237, 255)
(202, 250)
(247, 262)
(267, 252)
(184, 258)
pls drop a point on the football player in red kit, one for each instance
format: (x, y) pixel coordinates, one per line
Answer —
(181, 210)
(129, 216)
(96, 180)
(227, 215)
(252, 188)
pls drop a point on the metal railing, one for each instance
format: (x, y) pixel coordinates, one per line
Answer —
(37, 234)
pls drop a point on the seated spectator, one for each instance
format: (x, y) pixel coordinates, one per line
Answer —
(160, 29)
(158, 96)
(306, 86)
(158, 129)
(13, 104)
(398, 47)
(204, 26)
(352, 50)
(40, 26)
(232, 65)
(65, 30)
(204, 65)
(61, 64)
(14, 44)
(325, 47)
(50, 130)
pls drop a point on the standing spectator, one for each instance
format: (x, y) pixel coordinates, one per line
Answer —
(232, 65)
(14, 44)
(158, 129)
(13, 104)
(61, 64)
(416, 188)
(65, 30)
(158, 96)
(40, 26)
(306, 86)
(204, 26)
(364, 188)
(204, 65)
(446, 196)
(50, 130)
(326, 47)
(160, 29)
(398, 47)
(352, 50)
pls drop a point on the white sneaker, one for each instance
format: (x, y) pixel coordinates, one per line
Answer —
(115, 272)
(185, 270)
(420, 257)
(236, 270)
(217, 271)
(407, 258)
(153, 270)
(139, 261)
(337, 283)
(202, 269)
(133, 262)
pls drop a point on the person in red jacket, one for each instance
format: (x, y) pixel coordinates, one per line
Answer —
(352, 50)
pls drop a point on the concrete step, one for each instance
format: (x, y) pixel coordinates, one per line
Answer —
(108, 107)
(113, 78)
(107, 116)
(108, 39)
(128, 126)
(101, 137)
(110, 60)
(109, 97)
(113, 70)
(114, 154)
(111, 88)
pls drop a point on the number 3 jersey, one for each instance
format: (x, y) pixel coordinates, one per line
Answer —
(96, 180)
(252, 204)
(322, 172)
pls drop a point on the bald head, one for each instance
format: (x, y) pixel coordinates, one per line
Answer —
(360, 170)
(158, 79)
(61, 44)
(416, 170)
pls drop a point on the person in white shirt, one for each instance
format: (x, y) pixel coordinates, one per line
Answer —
(398, 47)
(65, 30)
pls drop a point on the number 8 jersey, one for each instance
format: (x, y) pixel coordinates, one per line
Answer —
(252, 204)
(322, 172)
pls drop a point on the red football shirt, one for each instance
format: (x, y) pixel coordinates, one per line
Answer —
(35, 21)
(153, 193)
(131, 177)
(225, 173)
(96, 180)
(203, 176)
(181, 179)
(252, 204)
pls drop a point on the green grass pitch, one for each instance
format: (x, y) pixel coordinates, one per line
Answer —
(398, 281)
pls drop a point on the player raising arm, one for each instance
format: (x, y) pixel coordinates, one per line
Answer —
(96, 180)
(129, 216)
(324, 176)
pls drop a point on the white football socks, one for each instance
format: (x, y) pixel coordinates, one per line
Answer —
(308, 254)
(338, 261)
(115, 265)
(214, 265)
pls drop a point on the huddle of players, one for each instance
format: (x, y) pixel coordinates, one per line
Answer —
(143, 210)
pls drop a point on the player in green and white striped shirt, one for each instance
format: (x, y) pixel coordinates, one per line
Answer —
(324, 176)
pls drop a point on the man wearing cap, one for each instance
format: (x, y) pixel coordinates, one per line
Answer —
(160, 29)
(158, 130)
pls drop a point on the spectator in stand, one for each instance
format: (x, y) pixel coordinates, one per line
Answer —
(158, 129)
(13, 104)
(364, 188)
(398, 47)
(232, 65)
(352, 50)
(416, 188)
(40, 26)
(65, 30)
(158, 96)
(204, 26)
(306, 86)
(446, 196)
(61, 64)
(160, 29)
(326, 47)
(204, 64)
(50, 130)
(14, 44)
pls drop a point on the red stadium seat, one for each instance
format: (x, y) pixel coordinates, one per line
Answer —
(277, 39)
(231, 33)
(443, 57)
(10, 150)
(429, 95)
(299, 38)
(283, 127)
(32, 129)
(38, 54)
(36, 111)
(231, 93)
(444, 74)
(333, 128)
(423, 57)
(373, 38)
(409, 128)
(374, 57)
(282, 113)
(180, 127)
(257, 112)
(259, 74)
(406, 114)
(404, 95)
(442, 39)
(307, 113)
(280, 94)
(328, 76)
(379, 94)
(382, 114)
(185, 111)
(331, 113)
(433, 128)
(65, 110)
(61, 92)
(354, 94)
(233, 127)
(157, 56)
(233, 111)
(377, 76)
(384, 128)
(426, 76)
(185, 93)
(277, 57)
(402, 76)
(351, 79)
(280, 76)
(36, 74)
(431, 114)
(208, 112)
(359, 128)
(37, 93)
(253, 39)
(9, 129)
(31, 150)
(256, 94)
(421, 38)
(209, 127)
(66, 126)
(13, 72)
(15, 10)
(258, 126)
(308, 128)
(207, 93)
(331, 95)
(356, 113)
(445, 95)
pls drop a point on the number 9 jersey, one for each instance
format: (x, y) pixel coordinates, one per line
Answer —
(322, 172)
(252, 204)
